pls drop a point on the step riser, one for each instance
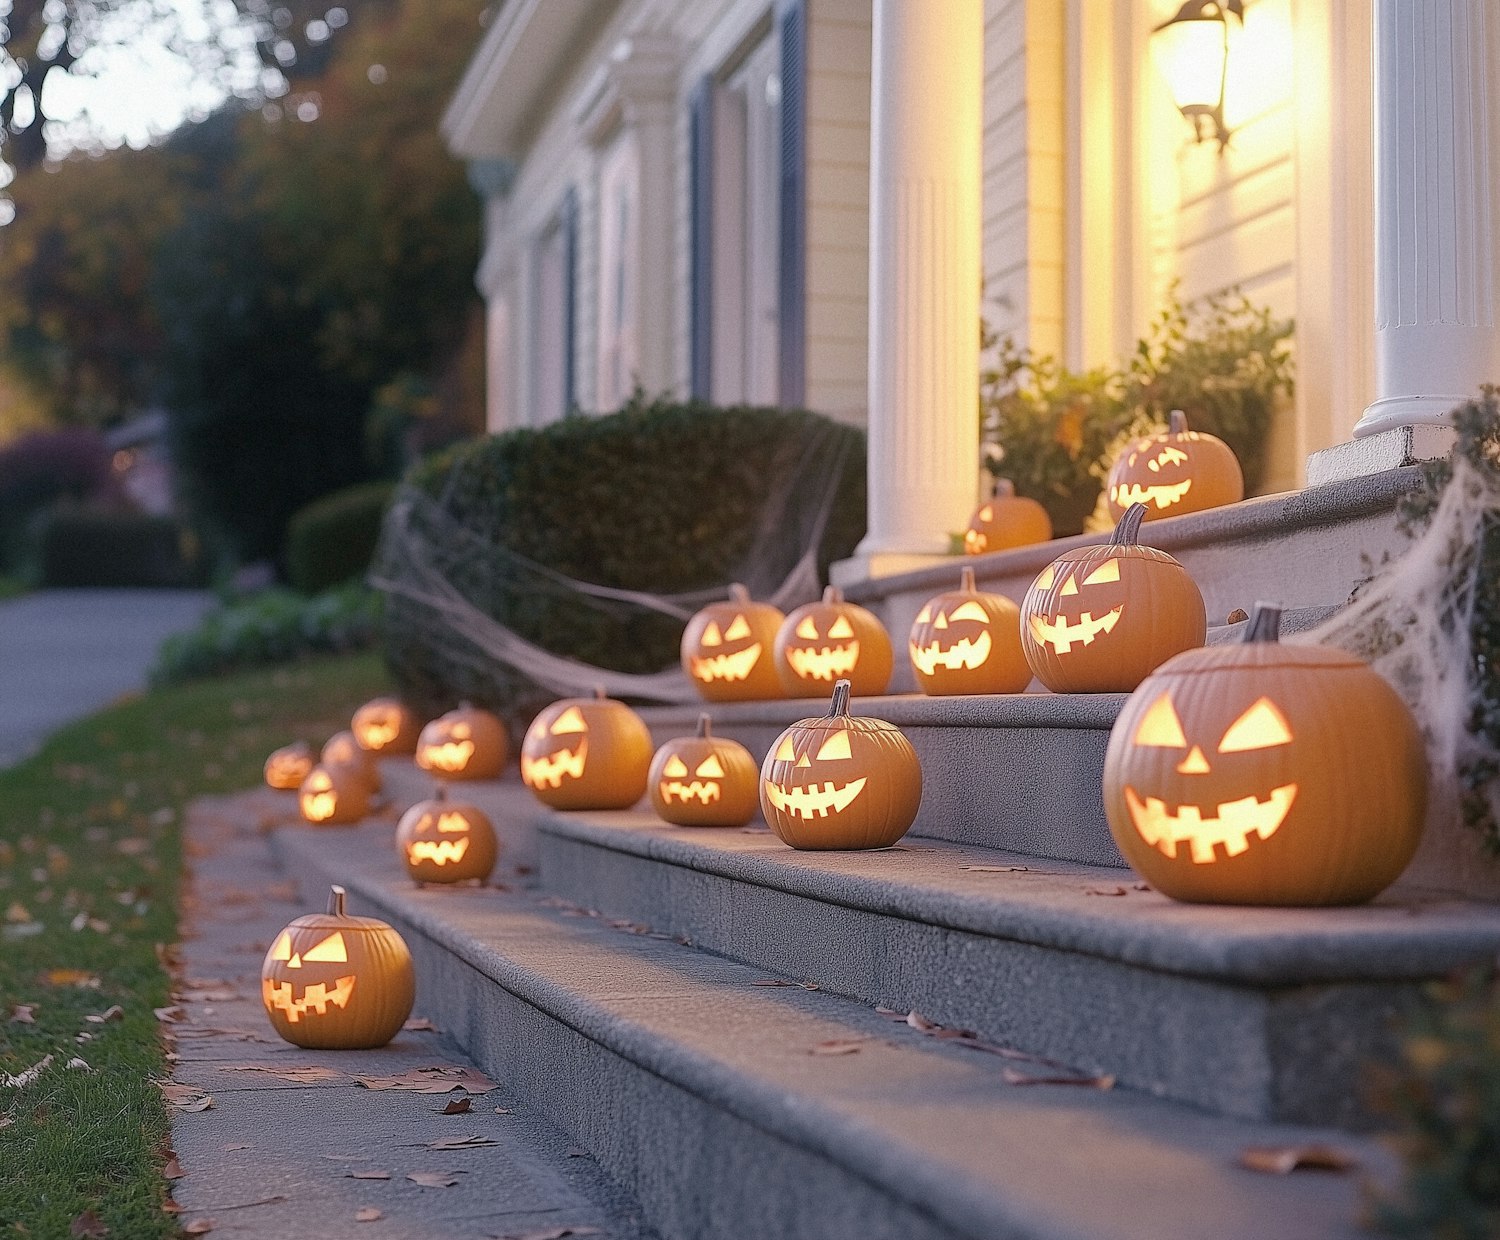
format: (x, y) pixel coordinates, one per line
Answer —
(1294, 1054)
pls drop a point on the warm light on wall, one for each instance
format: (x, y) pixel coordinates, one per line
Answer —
(1192, 50)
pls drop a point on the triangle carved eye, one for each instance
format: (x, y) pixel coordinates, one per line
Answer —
(675, 768)
(784, 751)
(330, 951)
(738, 630)
(841, 628)
(1260, 727)
(807, 630)
(835, 747)
(283, 947)
(571, 720)
(710, 767)
(969, 611)
(711, 635)
(1160, 728)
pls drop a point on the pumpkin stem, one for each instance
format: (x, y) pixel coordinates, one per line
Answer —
(1177, 422)
(966, 581)
(705, 724)
(738, 594)
(1265, 623)
(833, 595)
(1004, 488)
(336, 896)
(839, 707)
(1128, 531)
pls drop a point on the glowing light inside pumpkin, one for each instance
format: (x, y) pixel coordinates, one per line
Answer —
(814, 800)
(376, 734)
(453, 754)
(439, 852)
(704, 788)
(550, 770)
(319, 801)
(316, 996)
(1159, 495)
(827, 662)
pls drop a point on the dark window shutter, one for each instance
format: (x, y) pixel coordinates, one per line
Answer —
(569, 222)
(701, 304)
(793, 297)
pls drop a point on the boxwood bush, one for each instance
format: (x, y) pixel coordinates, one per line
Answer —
(331, 540)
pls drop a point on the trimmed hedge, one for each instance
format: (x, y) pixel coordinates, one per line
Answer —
(661, 497)
(77, 547)
(331, 540)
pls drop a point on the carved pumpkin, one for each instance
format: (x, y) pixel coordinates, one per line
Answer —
(335, 981)
(443, 841)
(820, 643)
(1175, 472)
(1006, 520)
(587, 753)
(289, 766)
(1259, 773)
(728, 649)
(841, 782)
(333, 796)
(467, 743)
(343, 752)
(969, 642)
(386, 726)
(703, 781)
(1099, 619)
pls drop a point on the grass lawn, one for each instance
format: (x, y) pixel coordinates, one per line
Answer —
(90, 857)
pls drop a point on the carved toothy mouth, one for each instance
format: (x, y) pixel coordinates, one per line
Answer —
(704, 791)
(449, 756)
(1163, 496)
(813, 801)
(735, 666)
(439, 852)
(1232, 827)
(379, 735)
(282, 997)
(975, 542)
(316, 806)
(961, 656)
(829, 663)
(1062, 635)
(549, 772)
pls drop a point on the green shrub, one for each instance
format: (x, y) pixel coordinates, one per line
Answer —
(272, 627)
(332, 539)
(84, 547)
(660, 497)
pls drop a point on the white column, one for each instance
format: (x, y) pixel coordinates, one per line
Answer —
(1437, 122)
(925, 135)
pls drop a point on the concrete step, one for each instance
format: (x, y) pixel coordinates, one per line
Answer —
(719, 1103)
(1263, 1013)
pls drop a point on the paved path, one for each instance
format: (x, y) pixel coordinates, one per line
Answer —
(65, 653)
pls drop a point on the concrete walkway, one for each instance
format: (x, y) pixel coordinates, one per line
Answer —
(65, 653)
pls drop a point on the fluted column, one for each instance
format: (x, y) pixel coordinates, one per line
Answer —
(1436, 95)
(925, 122)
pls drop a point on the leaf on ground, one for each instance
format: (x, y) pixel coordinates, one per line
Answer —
(198, 1227)
(103, 1018)
(210, 996)
(434, 1080)
(472, 1142)
(306, 1075)
(169, 1015)
(838, 1046)
(369, 1175)
(87, 1224)
(173, 1170)
(80, 978)
(459, 1106)
(1104, 891)
(1283, 1160)
(186, 1097)
(551, 1233)
(998, 869)
(920, 1023)
(78, 1065)
(1015, 1077)
(230, 1149)
(420, 1024)
(22, 1079)
(772, 981)
(368, 1214)
(433, 1179)
(18, 914)
(23, 1013)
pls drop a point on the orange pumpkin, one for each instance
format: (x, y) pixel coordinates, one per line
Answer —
(333, 796)
(822, 642)
(342, 751)
(1259, 773)
(841, 782)
(443, 841)
(1006, 520)
(587, 753)
(1100, 618)
(703, 781)
(332, 981)
(386, 726)
(288, 766)
(466, 743)
(1178, 471)
(968, 642)
(728, 649)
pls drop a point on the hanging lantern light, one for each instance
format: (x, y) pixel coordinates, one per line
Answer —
(1192, 50)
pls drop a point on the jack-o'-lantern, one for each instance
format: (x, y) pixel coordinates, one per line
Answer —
(1178, 471)
(333, 796)
(831, 640)
(587, 753)
(1262, 773)
(968, 642)
(1098, 619)
(333, 981)
(728, 649)
(1006, 520)
(386, 726)
(703, 781)
(443, 841)
(467, 743)
(840, 781)
(289, 766)
(343, 752)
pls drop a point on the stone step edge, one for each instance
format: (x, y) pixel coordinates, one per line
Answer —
(1089, 711)
(1406, 936)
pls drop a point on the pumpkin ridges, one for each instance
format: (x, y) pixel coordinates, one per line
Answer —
(616, 758)
(1014, 521)
(1212, 466)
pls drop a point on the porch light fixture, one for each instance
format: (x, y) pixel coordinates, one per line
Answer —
(1193, 50)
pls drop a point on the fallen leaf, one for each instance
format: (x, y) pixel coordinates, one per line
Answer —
(459, 1106)
(551, 1233)
(198, 1227)
(472, 1142)
(1104, 891)
(186, 1097)
(78, 1065)
(17, 914)
(1015, 1077)
(230, 1149)
(838, 1046)
(169, 1015)
(435, 1080)
(919, 1022)
(110, 1013)
(307, 1075)
(1283, 1160)
(173, 1170)
(23, 1014)
(772, 981)
(998, 869)
(369, 1175)
(367, 1214)
(87, 1224)
(22, 1079)
(432, 1179)
(420, 1024)
(502, 1110)
(81, 978)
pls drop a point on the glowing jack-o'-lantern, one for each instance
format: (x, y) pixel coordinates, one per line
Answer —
(343, 752)
(703, 781)
(335, 981)
(820, 643)
(1260, 773)
(289, 766)
(587, 753)
(1175, 472)
(727, 649)
(333, 796)
(968, 642)
(840, 781)
(1006, 520)
(1098, 619)
(467, 743)
(386, 725)
(443, 841)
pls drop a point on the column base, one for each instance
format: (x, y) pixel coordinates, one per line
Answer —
(867, 565)
(1394, 412)
(1376, 453)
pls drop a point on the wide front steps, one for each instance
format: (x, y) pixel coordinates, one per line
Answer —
(735, 1105)
(1260, 1013)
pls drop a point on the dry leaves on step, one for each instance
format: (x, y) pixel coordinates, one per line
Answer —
(472, 1142)
(838, 1046)
(369, 1175)
(1283, 1160)
(173, 1170)
(781, 981)
(550, 1233)
(420, 1024)
(435, 1080)
(103, 1018)
(169, 1015)
(23, 1014)
(198, 1227)
(1104, 891)
(87, 1224)
(307, 1075)
(998, 869)
(1014, 1076)
(368, 1214)
(433, 1179)
(459, 1106)
(185, 1097)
